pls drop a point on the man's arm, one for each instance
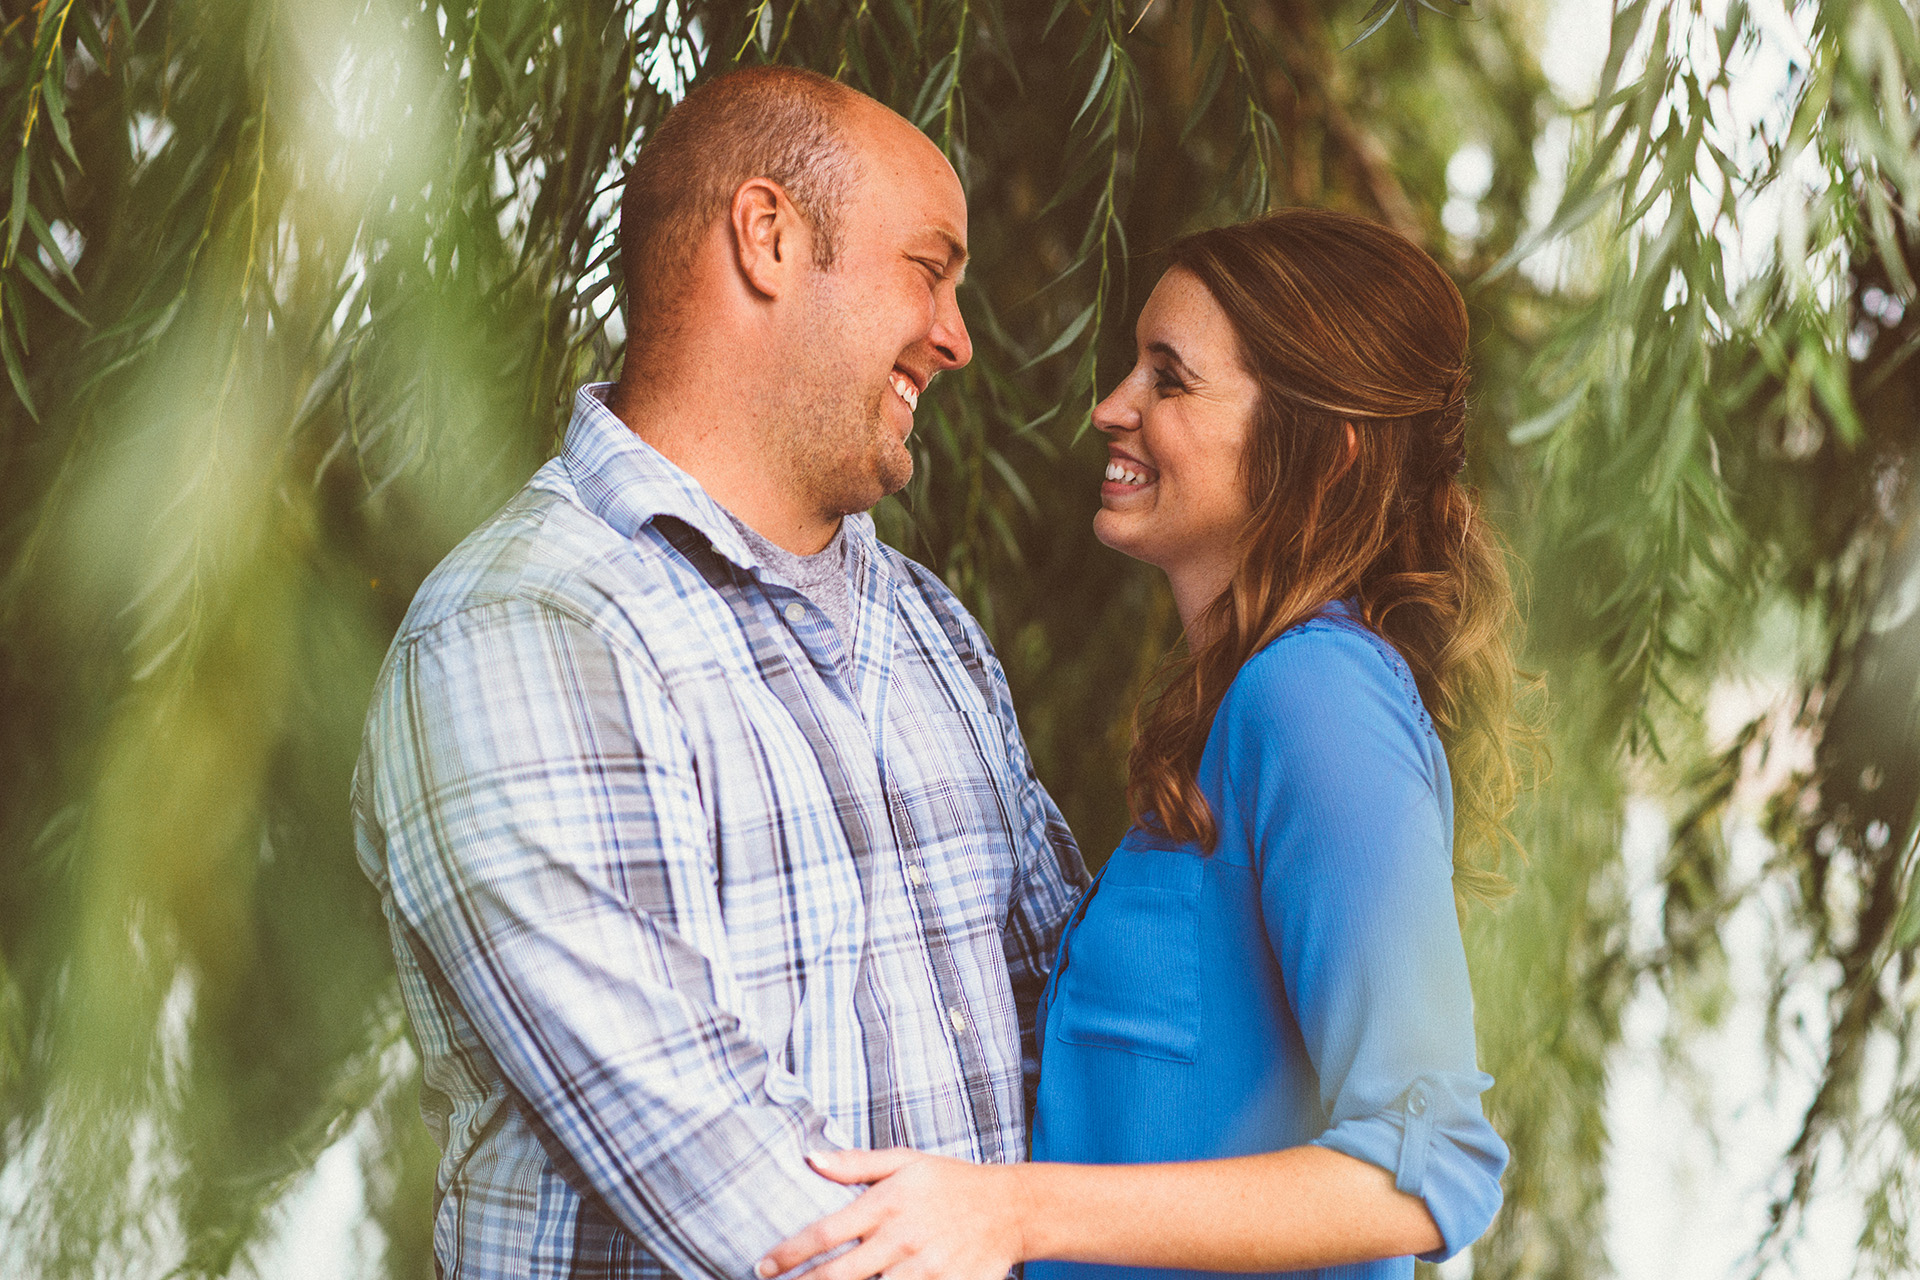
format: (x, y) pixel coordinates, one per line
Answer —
(1051, 873)
(547, 844)
(1049, 881)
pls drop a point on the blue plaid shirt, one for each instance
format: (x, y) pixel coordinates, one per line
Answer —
(680, 891)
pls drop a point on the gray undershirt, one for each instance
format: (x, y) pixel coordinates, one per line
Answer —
(825, 577)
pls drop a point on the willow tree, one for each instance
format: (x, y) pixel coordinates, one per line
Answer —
(293, 294)
(1722, 448)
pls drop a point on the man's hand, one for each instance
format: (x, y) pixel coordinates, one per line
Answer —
(922, 1217)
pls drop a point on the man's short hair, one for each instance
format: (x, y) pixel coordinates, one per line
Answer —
(781, 123)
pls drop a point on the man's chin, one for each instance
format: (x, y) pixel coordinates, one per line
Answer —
(888, 476)
(895, 472)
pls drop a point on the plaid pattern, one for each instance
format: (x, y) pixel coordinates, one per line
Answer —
(675, 896)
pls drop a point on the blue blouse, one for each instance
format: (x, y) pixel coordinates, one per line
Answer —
(1304, 983)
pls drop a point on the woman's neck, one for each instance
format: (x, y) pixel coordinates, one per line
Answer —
(1194, 588)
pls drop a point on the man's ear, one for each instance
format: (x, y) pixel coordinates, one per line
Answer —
(768, 235)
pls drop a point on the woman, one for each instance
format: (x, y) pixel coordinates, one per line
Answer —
(1257, 1043)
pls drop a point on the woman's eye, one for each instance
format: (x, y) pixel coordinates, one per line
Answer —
(1165, 383)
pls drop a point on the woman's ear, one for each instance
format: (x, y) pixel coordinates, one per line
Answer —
(1353, 442)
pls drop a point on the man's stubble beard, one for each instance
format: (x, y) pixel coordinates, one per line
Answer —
(835, 436)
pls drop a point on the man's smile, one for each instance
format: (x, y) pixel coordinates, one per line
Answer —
(904, 387)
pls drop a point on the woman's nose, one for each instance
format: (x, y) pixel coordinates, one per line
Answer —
(1114, 414)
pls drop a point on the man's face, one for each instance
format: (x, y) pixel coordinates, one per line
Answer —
(874, 328)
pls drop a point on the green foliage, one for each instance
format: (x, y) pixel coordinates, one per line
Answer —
(1721, 445)
(293, 294)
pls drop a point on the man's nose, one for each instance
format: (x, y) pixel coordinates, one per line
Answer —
(949, 336)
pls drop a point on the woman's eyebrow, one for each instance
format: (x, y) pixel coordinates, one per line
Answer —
(1166, 349)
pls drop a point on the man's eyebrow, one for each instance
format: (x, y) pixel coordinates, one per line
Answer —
(1166, 349)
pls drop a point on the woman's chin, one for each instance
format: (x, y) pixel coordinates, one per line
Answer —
(1112, 528)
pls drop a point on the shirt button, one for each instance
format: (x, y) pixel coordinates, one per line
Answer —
(916, 874)
(958, 1017)
(1417, 1103)
(794, 611)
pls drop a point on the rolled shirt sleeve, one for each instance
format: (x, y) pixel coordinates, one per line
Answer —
(545, 841)
(1343, 792)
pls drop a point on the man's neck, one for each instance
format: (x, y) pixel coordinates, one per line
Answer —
(711, 437)
(779, 522)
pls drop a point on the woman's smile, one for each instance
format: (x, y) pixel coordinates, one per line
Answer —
(1126, 474)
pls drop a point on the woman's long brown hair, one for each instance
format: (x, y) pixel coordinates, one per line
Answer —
(1342, 321)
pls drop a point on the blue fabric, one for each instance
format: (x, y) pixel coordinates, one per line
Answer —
(1304, 983)
(681, 889)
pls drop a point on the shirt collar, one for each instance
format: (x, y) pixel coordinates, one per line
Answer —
(628, 483)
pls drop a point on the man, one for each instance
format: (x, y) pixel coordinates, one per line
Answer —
(702, 823)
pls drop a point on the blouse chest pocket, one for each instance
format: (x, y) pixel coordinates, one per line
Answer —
(1130, 973)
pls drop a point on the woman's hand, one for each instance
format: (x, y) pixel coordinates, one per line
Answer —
(921, 1217)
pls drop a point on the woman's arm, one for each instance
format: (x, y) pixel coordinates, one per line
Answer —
(928, 1216)
(1327, 776)
(1278, 1211)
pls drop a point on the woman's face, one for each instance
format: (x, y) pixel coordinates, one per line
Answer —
(1176, 430)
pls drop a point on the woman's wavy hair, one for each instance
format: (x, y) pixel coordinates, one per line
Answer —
(1340, 321)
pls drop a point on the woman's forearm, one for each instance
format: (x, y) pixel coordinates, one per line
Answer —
(933, 1216)
(1284, 1210)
